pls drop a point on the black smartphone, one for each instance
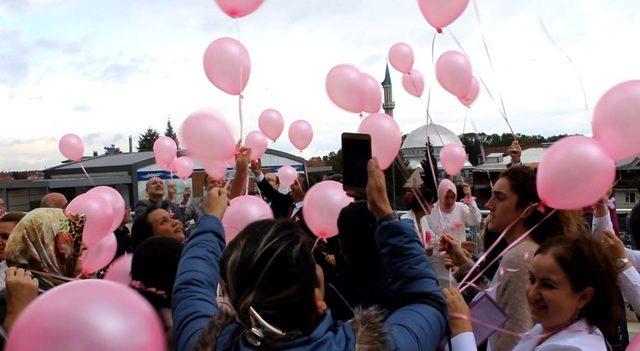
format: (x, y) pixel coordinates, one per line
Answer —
(356, 153)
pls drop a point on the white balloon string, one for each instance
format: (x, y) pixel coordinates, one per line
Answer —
(240, 116)
(246, 188)
(87, 174)
(240, 97)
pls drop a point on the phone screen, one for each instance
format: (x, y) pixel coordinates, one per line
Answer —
(356, 153)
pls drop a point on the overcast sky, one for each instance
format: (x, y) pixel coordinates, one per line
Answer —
(109, 69)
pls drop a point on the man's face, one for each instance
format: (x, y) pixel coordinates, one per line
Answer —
(5, 229)
(155, 187)
(172, 188)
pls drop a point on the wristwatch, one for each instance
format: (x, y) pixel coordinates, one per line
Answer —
(621, 262)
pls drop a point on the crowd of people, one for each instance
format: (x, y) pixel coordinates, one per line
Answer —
(556, 280)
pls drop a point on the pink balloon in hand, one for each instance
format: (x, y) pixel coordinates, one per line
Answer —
(373, 94)
(99, 255)
(227, 65)
(401, 57)
(300, 134)
(413, 83)
(346, 88)
(575, 172)
(271, 124)
(453, 158)
(71, 147)
(120, 270)
(99, 215)
(441, 13)
(322, 206)
(216, 169)
(242, 211)
(184, 167)
(386, 137)
(472, 94)
(206, 135)
(454, 73)
(258, 144)
(239, 8)
(164, 150)
(287, 176)
(115, 200)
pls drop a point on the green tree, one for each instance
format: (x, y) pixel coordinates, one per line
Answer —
(170, 133)
(146, 140)
(427, 176)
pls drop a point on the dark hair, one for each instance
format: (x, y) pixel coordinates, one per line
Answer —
(14, 217)
(585, 265)
(424, 196)
(269, 266)
(336, 178)
(357, 227)
(155, 264)
(142, 228)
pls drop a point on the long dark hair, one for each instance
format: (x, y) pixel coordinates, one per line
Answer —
(141, 228)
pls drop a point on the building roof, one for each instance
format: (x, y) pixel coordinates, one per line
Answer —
(438, 136)
(117, 160)
(495, 154)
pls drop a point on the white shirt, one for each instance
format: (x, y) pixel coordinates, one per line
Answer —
(455, 221)
(296, 207)
(424, 225)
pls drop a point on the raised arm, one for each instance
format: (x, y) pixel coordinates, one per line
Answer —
(472, 215)
(268, 192)
(239, 183)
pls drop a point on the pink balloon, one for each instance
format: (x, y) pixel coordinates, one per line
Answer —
(616, 120)
(453, 158)
(401, 57)
(242, 211)
(216, 169)
(115, 200)
(575, 172)
(206, 136)
(99, 215)
(227, 65)
(373, 94)
(413, 83)
(184, 167)
(472, 94)
(454, 73)
(164, 150)
(99, 255)
(441, 13)
(120, 270)
(386, 137)
(71, 147)
(300, 134)
(258, 144)
(271, 124)
(635, 344)
(346, 88)
(239, 8)
(89, 314)
(287, 176)
(322, 205)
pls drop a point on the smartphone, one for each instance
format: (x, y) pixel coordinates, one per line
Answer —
(356, 153)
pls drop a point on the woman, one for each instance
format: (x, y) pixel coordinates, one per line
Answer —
(155, 221)
(570, 293)
(449, 216)
(276, 288)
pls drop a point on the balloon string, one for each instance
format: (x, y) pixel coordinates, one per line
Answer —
(87, 174)
(342, 298)
(240, 116)
(246, 188)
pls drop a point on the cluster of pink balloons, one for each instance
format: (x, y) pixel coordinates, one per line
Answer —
(322, 206)
(441, 13)
(455, 75)
(242, 211)
(401, 58)
(353, 90)
(386, 137)
(71, 147)
(453, 157)
(227, 64)
(239, 8)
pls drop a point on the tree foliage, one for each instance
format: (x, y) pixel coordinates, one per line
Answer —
(146, 140)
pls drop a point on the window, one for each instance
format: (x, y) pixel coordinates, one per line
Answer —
(630, 198)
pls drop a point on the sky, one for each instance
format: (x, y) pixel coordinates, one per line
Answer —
(109, 69)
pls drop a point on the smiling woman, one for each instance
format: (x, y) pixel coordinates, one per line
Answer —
(155, 222)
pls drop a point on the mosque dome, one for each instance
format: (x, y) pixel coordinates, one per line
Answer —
(438, 135)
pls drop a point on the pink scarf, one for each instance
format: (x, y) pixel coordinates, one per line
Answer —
(443, 189)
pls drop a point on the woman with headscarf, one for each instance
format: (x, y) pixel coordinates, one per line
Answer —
(449, 216)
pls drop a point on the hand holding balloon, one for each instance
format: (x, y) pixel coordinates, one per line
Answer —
(216, 203)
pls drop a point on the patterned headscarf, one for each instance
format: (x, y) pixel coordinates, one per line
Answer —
(47, 240)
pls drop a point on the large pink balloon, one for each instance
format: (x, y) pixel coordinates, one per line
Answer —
(386, 137)
(216, 169)
(227, 65)
(99, 255)
(120, 270)
(441, 13)
(401, 57)
(322, 205)
(575, 172)
(300, 134)
(71, 147)
(258, 144)
(454, 73)
(287, 175)
(346, 88)
(184, 167)
(616, 120)
(206, 136)
(242, 211)
(413, 83)
(472, 94)
(453, 158)
(89, 314)
(164, 150)
(373, 94)
(238, 8)
(117, 203)
(635, 344)
(271, 124)
(99, 215)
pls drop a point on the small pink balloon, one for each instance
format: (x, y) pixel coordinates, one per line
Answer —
(472, 94)
(575, 172)
(271, 124)
(71, 147)
(164, 150)
(300, 134)
(441, 13)
(99, 215)
(115, 200)
(242, 211)
(401, 57)
(120, 270)
(216, 169)
(386, 137)
(184, 167)
(206, 135)
(99, 255)
(88, 314)
(453, 158)
(454, 73)
(258, 144)
(322, 205)
(227, 65)
(346, 88)
(616, 120)
(238, 8)
(413, 83)
(373, 96)
(287, 175)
